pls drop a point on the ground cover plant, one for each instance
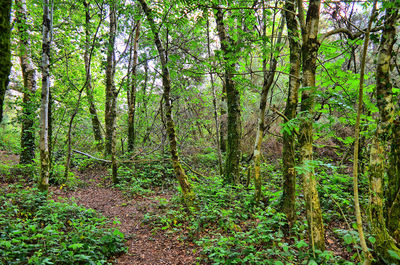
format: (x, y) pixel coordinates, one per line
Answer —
(35, 230)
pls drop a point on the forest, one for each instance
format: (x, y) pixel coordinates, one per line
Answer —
(199, 132)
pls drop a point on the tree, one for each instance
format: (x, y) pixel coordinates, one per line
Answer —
(186, 188)
(45, 104)
(309, 51)
(385, 244)
(288, 149)
(367, 254)
(96, 125)
(228, 48)
(111, 91)
(131, 92)
(29, 76)
(268, 76)
(5, 52)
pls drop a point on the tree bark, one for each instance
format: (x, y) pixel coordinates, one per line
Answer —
(111, 91)
(309, 58)
(216, 119)
(5, 50)
(288, 150)
(29, 77)
(186, 188)
(367, 254)
(111, 95)
(44, 112)
(232, 169)
(131, 94)
(96, 125)
(384, 133)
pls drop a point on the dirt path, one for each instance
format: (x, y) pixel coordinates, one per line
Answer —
(145, 246)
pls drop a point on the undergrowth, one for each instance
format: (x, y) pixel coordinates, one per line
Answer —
(142, 178)
(230, 228)
(35, 230)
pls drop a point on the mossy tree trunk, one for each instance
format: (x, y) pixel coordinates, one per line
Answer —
(364, 247)
(131, 93)
(111, 94)
(29, 77)
(232, 169)
(309, 57)
(5, 52)
(384, 230)
(44, 142)
(288, 152)
(186, 188)
(111, 91)
(96, 125)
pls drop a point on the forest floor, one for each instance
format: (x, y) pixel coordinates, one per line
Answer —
(145, 245)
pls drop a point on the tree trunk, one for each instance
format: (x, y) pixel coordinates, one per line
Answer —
(364, 247)
(384, 133)
(96, 126)
(232, 169)
(131, 94)
(216, 119)
(29, 76)
(5, 52)
(111, 92)
(288, 152)
(111, 95)
(44, 111)
(309, 58)
(267, 83)
(188, 194)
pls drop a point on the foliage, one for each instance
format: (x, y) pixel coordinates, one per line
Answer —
(35, 230)
(231, 229)
(143, 177)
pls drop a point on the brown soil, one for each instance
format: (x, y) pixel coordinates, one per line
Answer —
(145, 245)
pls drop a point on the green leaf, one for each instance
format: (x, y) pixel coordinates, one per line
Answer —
(348, 239)
(75, 246)
(394, 254)
(301, 244)
(312, 262)
(118, 233)
(372, 239)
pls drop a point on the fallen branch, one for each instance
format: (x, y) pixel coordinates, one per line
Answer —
(95, 158)
(192, 170)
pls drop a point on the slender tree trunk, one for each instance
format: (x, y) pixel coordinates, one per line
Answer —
(111, 92)
(288, 150)
(188, 194)
(384, 133)
(232, 169)
(69, 136)
(111, 95)
(29, 76)
(268, 81)
(223, 122)
(5, 50)
(217, 128)
(309, 58)
(131, 94)
(44, 112)
(96, 125)
(367, 254)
